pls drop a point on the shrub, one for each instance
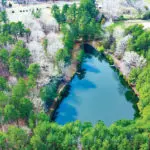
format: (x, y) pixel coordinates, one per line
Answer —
(146, 16)
(4, 55)
(49, 92)
(3, 83)
(133, 76)
(80, 56)
(37, 13)
(33, 70)
(101, 49)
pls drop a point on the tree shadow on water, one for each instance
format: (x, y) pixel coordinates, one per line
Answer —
(65, 113)
(91, 68)
(131, 97)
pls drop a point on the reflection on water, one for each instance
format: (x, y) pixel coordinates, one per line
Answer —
(97, 93)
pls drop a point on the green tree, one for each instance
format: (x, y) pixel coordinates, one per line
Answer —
(31, 82)
(3, 83)
(62, 55)
(3, 140)
(33, 70)
(143, 41)
(80, 56)
(133, 76)
(38, 141)
(89, 6)
(25, 107)
(10, 113)
(16, 67)
(56, 13)
(68, 40)
(49, 92)
(3, 16)
(4, 99)
(20, 52)
(72, 14)
(21, 29)
(14, 29)
(4, 55)
(45, 44)
(17, 138)
(5, 39)
(20, 89)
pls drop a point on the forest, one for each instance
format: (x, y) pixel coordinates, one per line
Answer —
(78, 25)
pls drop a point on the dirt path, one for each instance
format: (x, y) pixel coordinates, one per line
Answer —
(145, 23)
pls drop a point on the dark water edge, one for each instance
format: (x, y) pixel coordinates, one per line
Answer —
(69, 109)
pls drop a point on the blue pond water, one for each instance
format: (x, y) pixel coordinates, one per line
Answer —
(100, 95)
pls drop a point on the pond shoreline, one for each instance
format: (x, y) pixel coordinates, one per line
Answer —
(63, 86)
(117, 63)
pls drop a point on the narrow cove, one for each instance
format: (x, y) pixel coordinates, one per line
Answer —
(97, 93)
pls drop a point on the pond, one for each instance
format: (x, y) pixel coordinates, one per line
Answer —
(98, 93)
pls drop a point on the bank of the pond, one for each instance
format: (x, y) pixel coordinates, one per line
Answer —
(63, 85)
(117, 63)
(96, 96)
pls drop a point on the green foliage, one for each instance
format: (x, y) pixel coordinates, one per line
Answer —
(10, 113)
(31, 82)
(62, 55)
(4, 99)
(33, 70)
(89, 5)
(140, 41)
(37, 118)
(143, 41)
(146, 16)
(77, 23)
(68, 40)
(143, 86)
(135, 30)
(5, 39)
(20, 52)
(17, 138)
(80, 55)
(3, 140)
(80, 21)
(101, 49)
(16, 67)
(17, 29)
(3, 16)
(134, 75)
(36, 13)
(3, 83)
(56, 13)
(25, 107)
(20, 89)
(121, 18)
(45, 44)
(4, 55)
(49, 92)
(71, 14)
(19, 59)
(110, 59)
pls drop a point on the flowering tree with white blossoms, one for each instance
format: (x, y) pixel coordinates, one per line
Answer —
(121, 46)
(132, 59)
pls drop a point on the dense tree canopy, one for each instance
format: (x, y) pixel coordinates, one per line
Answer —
(77, 24)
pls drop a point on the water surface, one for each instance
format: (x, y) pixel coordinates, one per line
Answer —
(100, 95)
